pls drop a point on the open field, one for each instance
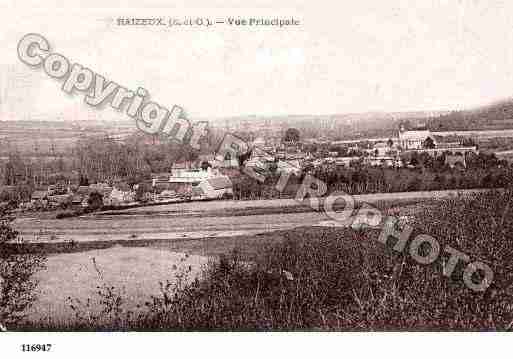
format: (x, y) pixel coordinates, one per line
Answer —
(135, 266)
(127, 254)
(195, 220)
(282, 272)
(135, 273)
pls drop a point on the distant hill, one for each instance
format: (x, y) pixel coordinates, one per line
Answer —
(48, 137)
(496, 116)
(336, 126)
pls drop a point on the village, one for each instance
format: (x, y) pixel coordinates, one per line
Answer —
(210, 177)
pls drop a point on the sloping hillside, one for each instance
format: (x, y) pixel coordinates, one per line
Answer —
(496, 116)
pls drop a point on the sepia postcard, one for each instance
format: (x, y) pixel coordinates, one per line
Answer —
(184, 177)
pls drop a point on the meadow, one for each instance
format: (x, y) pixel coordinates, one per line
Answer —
(314, 278)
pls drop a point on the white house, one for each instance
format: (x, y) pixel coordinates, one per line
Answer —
(214, 187)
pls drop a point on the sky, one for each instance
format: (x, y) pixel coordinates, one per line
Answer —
(344, 57)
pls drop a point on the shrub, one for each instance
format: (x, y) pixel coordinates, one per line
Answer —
(67, 213)
(347, 281)
(95, 201)
(17, 283)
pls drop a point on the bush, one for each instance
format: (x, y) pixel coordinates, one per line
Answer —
(67, 213)
(328, 280)
(95, 201)
(17, 283)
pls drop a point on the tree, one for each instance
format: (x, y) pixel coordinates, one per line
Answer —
(83, 181)
(205, 165)
(291, 135)
(428, 143)
(17, 269)
(95, 200)
(14, 169)
(140, 191)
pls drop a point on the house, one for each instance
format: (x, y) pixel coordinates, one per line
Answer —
(214, 187)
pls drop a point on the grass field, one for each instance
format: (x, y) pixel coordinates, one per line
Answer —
(193, 220)
(305, 278)
(134, 273)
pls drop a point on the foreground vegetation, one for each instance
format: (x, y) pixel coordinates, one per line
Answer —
(17, 283)
(332, 279)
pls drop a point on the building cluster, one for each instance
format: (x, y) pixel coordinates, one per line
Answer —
(175, 186)
(62, 196)
(209, 177)
(382, 152)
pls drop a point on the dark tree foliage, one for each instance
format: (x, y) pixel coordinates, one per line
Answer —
(291, 135)
(17, 282)
(95, 200)
(205, 165)
(429, 143)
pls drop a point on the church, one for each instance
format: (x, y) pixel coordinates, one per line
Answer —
(414, 139)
